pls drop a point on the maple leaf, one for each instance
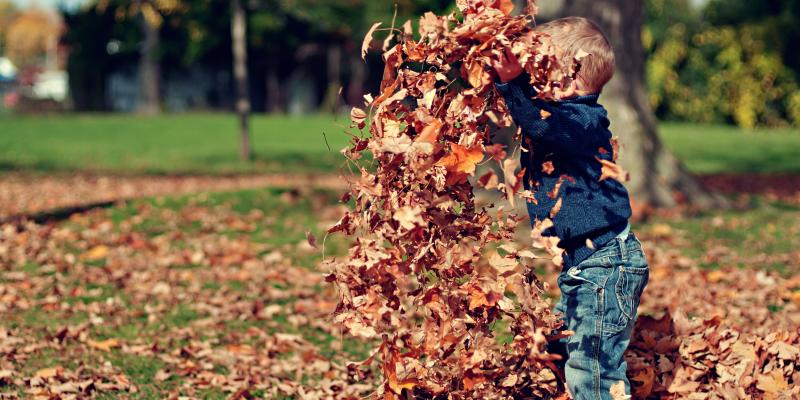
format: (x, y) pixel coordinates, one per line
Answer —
(461, 161)
(409, 217)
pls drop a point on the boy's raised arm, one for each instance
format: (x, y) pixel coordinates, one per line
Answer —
(548, 122)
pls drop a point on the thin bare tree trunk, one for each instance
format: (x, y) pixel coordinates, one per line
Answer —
(657, 177)
(358, 75)
(273, 91)
(334, 57)
(238, 34)
(149, 69)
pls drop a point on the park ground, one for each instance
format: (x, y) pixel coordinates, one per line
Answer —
(204, 283)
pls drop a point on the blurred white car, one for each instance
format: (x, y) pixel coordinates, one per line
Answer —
(51, 85)
(8, 72)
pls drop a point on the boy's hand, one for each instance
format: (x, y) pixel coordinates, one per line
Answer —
(507, 66)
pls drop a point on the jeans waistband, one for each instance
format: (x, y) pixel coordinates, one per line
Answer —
(624, 234)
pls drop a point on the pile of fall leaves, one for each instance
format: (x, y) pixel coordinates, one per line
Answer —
(432, 275)
(416, 276)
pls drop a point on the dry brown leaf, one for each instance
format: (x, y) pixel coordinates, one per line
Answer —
(368, 40)
(613, 171)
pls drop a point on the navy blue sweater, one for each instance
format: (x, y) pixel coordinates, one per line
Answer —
(571, 139)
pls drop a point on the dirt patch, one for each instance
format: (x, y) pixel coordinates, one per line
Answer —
(783, 187)
(28, 194)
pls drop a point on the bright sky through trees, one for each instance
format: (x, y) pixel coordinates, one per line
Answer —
(49, 3)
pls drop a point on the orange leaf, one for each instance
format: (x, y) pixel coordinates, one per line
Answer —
(104, 345)
(506, 6)
(48, 372)
(461, 161)
(477, 76)
(643, 381)
(430, 133)
(556, 208)
(96, 253)
(612, 170)
(471, 381)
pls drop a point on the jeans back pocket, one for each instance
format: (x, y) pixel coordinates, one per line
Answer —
(633, 278)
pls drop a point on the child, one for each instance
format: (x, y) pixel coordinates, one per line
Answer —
(604, 269)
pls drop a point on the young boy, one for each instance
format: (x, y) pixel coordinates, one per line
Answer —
(604, 269)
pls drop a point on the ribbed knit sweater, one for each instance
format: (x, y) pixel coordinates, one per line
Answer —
(564, 143)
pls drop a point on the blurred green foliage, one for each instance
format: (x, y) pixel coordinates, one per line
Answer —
(733, 61)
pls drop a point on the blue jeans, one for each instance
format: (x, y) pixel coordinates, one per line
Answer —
(599, 298)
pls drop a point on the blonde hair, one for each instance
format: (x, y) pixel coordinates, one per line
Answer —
(576, 36)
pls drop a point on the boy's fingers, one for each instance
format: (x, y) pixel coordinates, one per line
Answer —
(509, 54)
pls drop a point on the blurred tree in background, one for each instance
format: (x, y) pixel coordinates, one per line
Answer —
(729, 61)
(733, 61)
(288, 41)
(29, 36)
(8, 13)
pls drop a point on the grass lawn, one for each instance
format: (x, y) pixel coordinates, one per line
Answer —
(207, 143)
(186, 143)
(714, 149)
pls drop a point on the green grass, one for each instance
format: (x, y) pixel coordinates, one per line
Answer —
(761, 236)
(185, 143)
(208, 143)
(715, 148)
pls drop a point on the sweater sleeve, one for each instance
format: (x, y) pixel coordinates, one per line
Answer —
(558, 125)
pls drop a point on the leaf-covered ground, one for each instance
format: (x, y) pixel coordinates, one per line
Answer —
(214, 295)
(31, 193)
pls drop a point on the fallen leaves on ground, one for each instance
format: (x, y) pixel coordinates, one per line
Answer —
(189, 299)
(206, 298)
(782, 187)
(27, 193)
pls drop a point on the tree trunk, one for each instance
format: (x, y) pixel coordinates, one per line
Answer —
(358, 75)
(657, 177)
(149, 69)
(238, 34)
(274, 96)
(334, 71)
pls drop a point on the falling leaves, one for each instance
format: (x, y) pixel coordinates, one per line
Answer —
(368, 39)
(461, 162)
(311, 239)
(610, 169)
(418, 233)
